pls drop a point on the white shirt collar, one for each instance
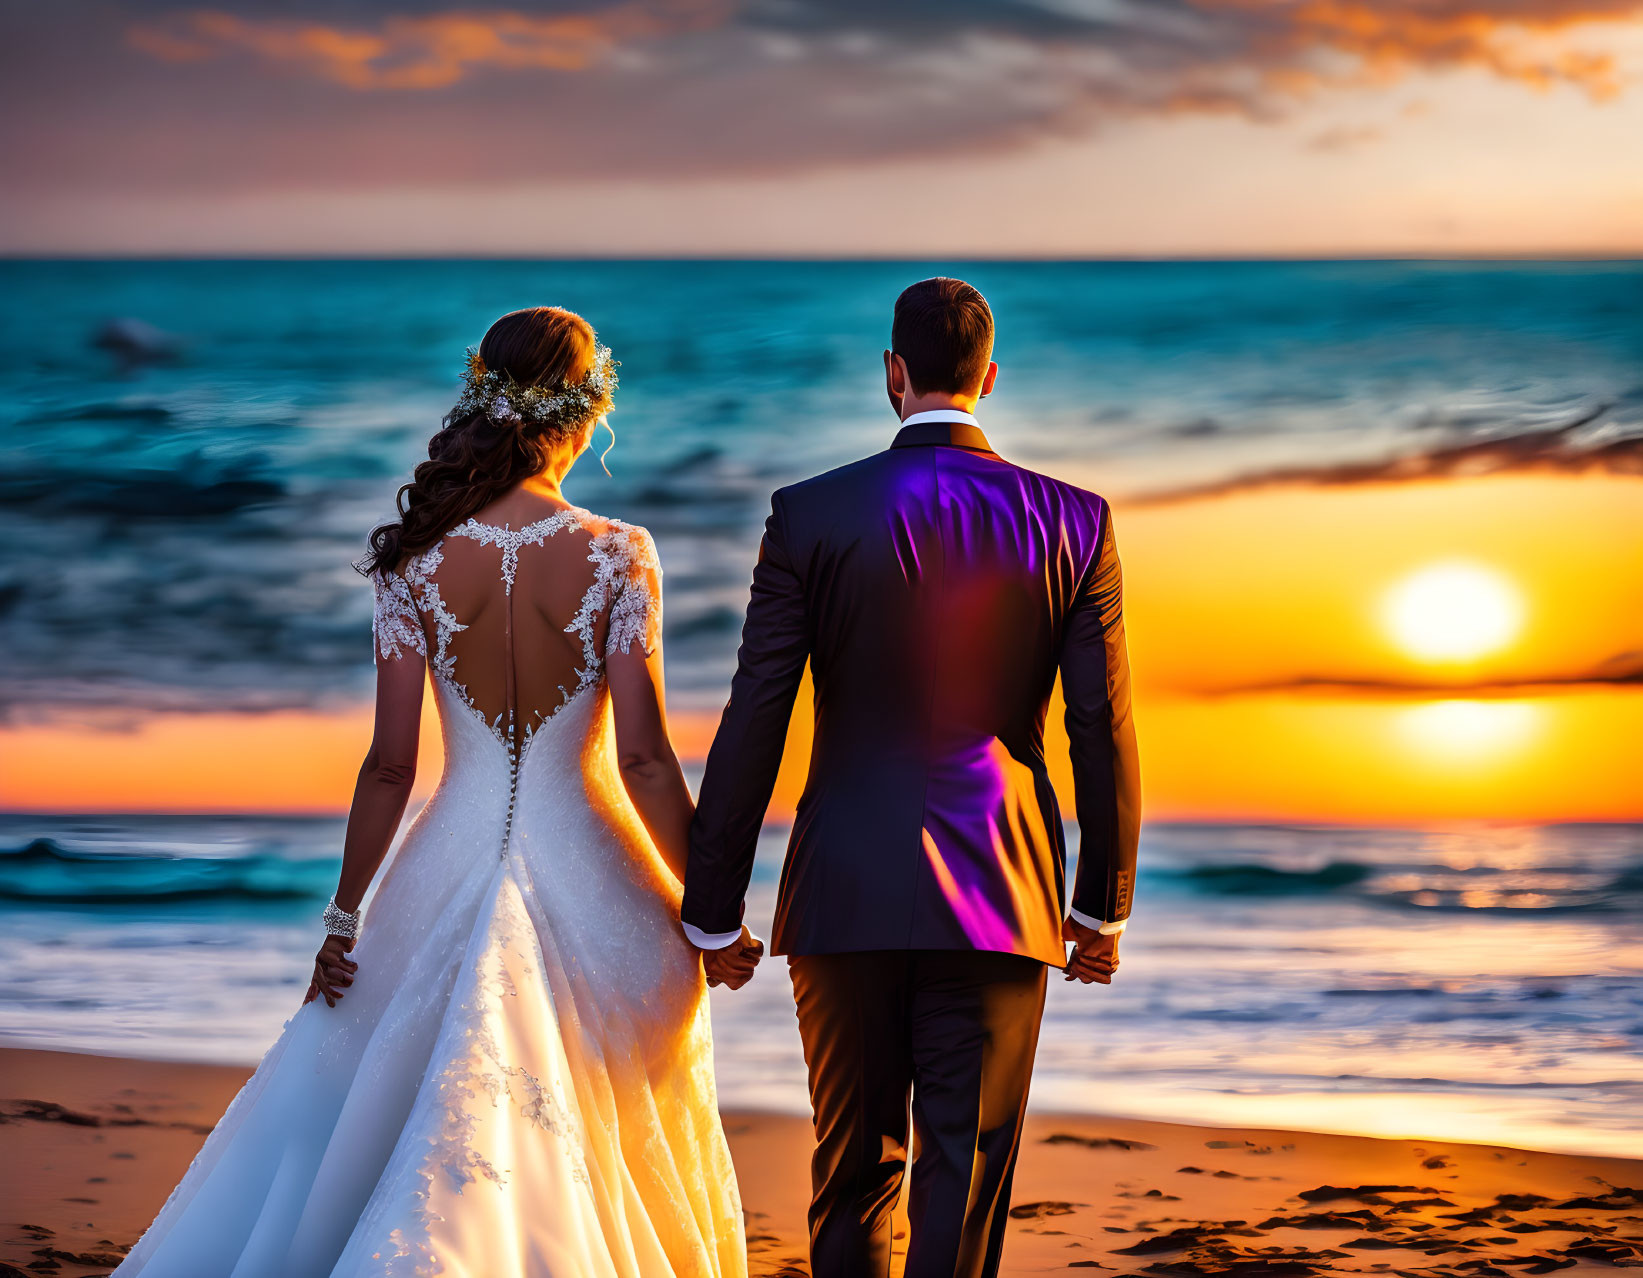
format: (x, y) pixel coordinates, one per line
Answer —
(941, 415)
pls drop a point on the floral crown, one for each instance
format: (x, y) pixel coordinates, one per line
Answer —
(560, 407)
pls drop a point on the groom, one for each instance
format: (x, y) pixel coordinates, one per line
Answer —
(935, 589)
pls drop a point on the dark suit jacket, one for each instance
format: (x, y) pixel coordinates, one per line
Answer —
(935, 590)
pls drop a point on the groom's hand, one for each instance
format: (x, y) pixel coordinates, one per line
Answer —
(1094, 957)
(734, 964)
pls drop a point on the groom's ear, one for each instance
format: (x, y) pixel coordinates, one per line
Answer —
(895, 379)
(989, 379)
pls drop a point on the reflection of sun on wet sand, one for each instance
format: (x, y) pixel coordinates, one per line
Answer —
(89, 1147)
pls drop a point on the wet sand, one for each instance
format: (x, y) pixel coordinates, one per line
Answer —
(90, 1146)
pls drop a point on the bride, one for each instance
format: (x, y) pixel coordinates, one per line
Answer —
(512, 1076)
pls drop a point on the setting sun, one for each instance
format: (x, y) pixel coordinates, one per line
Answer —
(1453, 612)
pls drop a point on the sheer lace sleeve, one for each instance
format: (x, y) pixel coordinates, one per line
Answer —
(635, 590)
(396, 625)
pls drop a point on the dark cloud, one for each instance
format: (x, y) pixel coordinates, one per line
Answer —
(144, 95)
(1596, 439)
(1622, 670)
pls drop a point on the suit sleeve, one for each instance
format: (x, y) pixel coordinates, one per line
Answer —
(1095, 679)
(747, 750)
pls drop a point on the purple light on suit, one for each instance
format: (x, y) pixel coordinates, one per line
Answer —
(984, 926)
(936, 591)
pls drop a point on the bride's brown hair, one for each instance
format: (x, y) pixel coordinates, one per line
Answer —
(474, 458)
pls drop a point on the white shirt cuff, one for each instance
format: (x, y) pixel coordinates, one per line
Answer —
(710, 940)
(1106, 929)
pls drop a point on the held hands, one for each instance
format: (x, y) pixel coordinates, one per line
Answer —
(1094, 957)
(733, 965)
(332, 972)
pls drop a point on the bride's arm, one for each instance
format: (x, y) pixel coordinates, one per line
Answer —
(650, 769)
(385, 778)
(380, 796)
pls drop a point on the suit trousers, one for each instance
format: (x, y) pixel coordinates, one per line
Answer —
(957, 1031)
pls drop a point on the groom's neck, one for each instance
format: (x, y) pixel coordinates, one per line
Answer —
(932, 401)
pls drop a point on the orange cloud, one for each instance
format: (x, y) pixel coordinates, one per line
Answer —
(1249, 54)
(430, 52)
(1387, 39)
(1294, 52)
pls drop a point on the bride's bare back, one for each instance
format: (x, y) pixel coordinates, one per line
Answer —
(518, 620)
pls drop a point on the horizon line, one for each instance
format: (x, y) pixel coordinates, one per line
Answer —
(1249, 822)
(1529, 256)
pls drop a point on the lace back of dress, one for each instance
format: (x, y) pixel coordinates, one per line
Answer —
(516, 623)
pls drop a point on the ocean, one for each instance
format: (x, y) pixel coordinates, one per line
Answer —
(178, 531)
(1467, 984)
(181, 496)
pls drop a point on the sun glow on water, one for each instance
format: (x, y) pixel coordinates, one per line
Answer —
(1453, 611)
(1476, 731)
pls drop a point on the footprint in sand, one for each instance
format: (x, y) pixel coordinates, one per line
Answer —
(1044, 1210)
(1096, 1142)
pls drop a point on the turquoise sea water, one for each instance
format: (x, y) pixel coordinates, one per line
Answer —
(1476, 984)
(179, 507)
(179, 530)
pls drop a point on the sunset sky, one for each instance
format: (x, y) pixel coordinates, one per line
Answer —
(920, 127)
(1369, 641)
(1385, 654)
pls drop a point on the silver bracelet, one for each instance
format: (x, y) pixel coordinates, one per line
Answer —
(339, 922)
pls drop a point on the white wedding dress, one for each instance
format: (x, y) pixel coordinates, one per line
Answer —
(519, 1083)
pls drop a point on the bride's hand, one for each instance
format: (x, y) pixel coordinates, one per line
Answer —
(733, 965)
(332, 972)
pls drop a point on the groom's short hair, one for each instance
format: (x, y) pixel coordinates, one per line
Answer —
(943, 330)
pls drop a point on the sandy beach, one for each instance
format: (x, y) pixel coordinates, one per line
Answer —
(90, 1146)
